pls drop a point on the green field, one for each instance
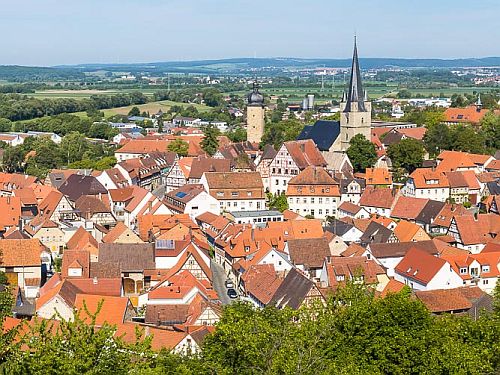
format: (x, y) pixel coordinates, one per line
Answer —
(153, 107)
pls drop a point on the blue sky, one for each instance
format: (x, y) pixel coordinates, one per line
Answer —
(51, 32)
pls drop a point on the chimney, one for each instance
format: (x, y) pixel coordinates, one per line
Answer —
(20, 225)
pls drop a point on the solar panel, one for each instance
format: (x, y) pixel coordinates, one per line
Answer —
(180, 194)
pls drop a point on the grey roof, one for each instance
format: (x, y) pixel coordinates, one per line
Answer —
(375, 233)
(292, 291)
(255, 98)
(344, 183)
(322, 132)
(493, 187)
(429, 212)
(356, 93)
(269, 152)
(129, 257)
(338, 227)
(262, 213)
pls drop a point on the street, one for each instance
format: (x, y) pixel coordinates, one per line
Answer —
(218, 279)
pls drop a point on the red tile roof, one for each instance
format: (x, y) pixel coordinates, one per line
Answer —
(261, 281)
(25, 252)
(111, 310)
(419, 265)
(377, 197)
(468, 114)
(408, 208)
(305, 153)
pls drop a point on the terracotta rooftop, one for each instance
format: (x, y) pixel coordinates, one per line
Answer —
(408, 208)
(377, 197)
(25, 252)
(305, 153)
(419, 265)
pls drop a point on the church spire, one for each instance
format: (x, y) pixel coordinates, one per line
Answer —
(356, 93)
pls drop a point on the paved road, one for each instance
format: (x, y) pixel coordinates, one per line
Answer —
(219, 277)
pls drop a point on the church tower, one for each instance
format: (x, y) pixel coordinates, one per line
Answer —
(255, 115)
(355, 109)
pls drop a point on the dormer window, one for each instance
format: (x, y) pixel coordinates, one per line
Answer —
(340, 277)
(463, 270)
(485, 268)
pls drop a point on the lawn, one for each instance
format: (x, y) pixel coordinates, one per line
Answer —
(153, 107)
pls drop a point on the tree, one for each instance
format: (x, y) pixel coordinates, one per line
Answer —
(465, 138)
(73, 146)
(407, 154)
(437, 138)
(278, 202)
(160, 124)
(13, 159)
(134, 111)
(361, 153)
(210, 143)
(179, 146)
(237, 134)
(490, 127)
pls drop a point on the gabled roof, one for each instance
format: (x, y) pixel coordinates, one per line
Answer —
(10, 211)
(77, 185)
(478, 230)
(309, 252)
(375, 233)
(450, 300)
(88, 205)
(112, 310)
(82, 259)
(406, 231)
(305, 153)
(80, 239)
(408, 208)
(292, 291)
(378, 176)
(425, 178)
(234, 180)
(128, 257)
(262, 282)
(101, 286)
(396, 250)
(119, 230)
(312, 175)
(419, 265)
(429, 212)
(469, 114)
(349, 207)
(204, 164)
(341, 269)
(377, 197)
(25, 252)
(323, 133)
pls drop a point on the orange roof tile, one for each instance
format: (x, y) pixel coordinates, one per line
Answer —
(378, 176)
(112, 310)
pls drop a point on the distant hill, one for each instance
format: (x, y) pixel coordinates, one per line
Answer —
(241, 64)
(231, 66)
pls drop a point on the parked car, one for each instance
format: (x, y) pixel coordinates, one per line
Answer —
(229, 283)
(232, 293)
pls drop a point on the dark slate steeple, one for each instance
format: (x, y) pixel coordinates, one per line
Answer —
(356, 93)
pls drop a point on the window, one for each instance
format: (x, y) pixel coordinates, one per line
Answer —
(340, 277)
(485, 268)
(485, 282)
(320, 211)
(320, 200)
(277, 182)
(312, 200)
(463, 270)
(220, 194)
(249, 193)
(234, 193)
